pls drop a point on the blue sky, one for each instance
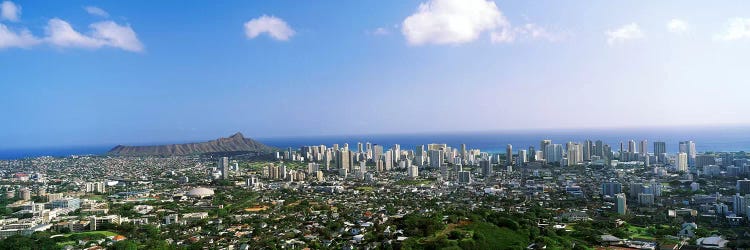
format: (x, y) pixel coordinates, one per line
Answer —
(151, 71)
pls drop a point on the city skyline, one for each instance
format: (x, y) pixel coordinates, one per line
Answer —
(113, 72)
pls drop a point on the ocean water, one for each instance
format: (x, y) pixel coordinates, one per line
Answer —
(719, 139)
(707, 139)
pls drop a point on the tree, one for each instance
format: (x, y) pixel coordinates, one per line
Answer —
(125, 245)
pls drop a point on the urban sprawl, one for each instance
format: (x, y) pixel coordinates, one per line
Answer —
(576, 195)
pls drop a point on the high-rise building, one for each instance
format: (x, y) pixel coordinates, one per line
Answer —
(660, 151)
(343, 159)
(543, 147)
(599, 148)
(621, 203)
(396, 152)
(575, 154)
(223, 166)
(688, 147)
(419, 155)
(359, 147)
(607, 153)
(388, 160)
(464, 177)
(643, 147)
(377, 152)
(413, 171)
(532, 154)
(743, 186)
(611, 188)
(509, 155)
(631, 147)
(436, 158)
(704, 160)
(682, 162)
(522, 158)
(635, 189)
(553, 153)
(463, 151)
(646, 199)
(587, 147)
(740, 204)
(486, 167)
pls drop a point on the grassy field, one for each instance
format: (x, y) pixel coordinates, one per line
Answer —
(412, 182)
(365, 189)
(639, 233)
(94, 197)
(257, 166)
(495, 237)
(105, 233)
(473, 235)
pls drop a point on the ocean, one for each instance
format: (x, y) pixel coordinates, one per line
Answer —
(720, 139)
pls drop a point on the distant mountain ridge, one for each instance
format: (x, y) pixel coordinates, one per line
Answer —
(234, 143)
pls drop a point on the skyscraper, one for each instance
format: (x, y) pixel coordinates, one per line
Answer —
(532, 154)
(543, 147)
(463, 151)
(631, 147)
(682, 162)
(436, 158)
(622, 206)
(486, 167)
(464, 177)
(509, 155)
(419, 155)
(223, 166)
(522, 158)
(611, 188)
(377, 153)
(643, 147)
(587, 147)
(553, 153)
(660, 151)
(575, 154)
(343, 159)
(688, 147)
(599, 148)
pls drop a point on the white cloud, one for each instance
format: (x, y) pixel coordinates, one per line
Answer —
(737, 28)
(61, 33)
(677, 26)
(10, 11)
(275, 27)
(452, 21)
(463, 21)
(96, 11)
(627, 32)
(118, 36)
(10, 39)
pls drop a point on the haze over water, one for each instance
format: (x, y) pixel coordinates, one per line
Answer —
(719, 139)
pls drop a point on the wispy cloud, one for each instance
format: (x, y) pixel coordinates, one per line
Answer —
(736, 29)
(625, 33)
(108, 33)
(96, 11)
(379, 31)
(275, 27)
